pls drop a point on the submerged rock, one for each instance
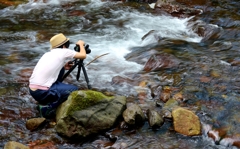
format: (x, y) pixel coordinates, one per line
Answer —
(88, 112)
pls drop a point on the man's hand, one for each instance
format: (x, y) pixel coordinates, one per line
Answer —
(68, 65)
(80, 42)
(82, 53)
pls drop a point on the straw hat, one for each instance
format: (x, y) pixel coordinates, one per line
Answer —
(58, 40)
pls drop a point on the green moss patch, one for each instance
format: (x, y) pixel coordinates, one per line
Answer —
(83, 99)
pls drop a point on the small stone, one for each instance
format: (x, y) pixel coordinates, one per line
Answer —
(34, 123)
(15, 145)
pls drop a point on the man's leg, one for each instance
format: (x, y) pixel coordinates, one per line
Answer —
(64, 90)
(48, 101)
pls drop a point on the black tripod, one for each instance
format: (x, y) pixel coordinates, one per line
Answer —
(80, 64)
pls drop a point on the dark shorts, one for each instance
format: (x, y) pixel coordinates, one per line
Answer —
(57, 93)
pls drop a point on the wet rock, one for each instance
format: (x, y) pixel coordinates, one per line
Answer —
(119, 145)
(34, 123)
(192, 2)
(175, 8)
(235, 62)
(215, 73)
(217, 134)
(165, 94)
(88, 112)
(155, 120)
(25, 74)
(42, 144)
(205, 79)
(191, 88)
(156, 91)
(235, 142)
(15, 145)
(166, 113)
(6, 3)
(214, 135)
(153, 36)
(161, 61)
(77, 13)
(178, 97)
(186, 122)
(220, 46)
(121, 80)
(133, 115)
(207, 31)
(171, 104)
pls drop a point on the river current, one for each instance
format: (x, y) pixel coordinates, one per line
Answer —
(116, 31)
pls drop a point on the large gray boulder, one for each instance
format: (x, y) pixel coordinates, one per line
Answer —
(88, 112)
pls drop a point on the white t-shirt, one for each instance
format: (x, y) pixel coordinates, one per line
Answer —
(48, 67)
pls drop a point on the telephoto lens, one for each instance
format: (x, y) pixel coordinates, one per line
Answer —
(77, 48)
(88, 50)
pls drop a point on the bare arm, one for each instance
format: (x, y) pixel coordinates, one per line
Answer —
(82, 53)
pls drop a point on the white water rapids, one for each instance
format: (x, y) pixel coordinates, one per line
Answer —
(110, 37)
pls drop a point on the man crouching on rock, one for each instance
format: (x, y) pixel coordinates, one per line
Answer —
(45, 84)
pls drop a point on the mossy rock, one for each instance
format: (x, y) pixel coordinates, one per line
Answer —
(80, 100)
(88, 112)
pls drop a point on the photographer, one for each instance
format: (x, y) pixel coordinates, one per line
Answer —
(45, 83)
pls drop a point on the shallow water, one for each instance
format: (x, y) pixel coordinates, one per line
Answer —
(206, 76)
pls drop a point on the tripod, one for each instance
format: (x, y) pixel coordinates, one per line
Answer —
(80, 64)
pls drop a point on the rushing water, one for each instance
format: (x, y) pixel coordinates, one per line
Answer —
(117, 30)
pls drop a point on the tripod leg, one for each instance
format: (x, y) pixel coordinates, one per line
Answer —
(79, 70)
(86, 76)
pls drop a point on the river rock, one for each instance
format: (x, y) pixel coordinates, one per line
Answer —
(155, 120)
(186, 122)
(133, 115)
(15, 145)
(6, 3)
(166, 111)
(160, 62)
(88, 112)
(221, 46)
(165, 95)
(171, 104)
(42, 144)
(34, 123)
(176, 8)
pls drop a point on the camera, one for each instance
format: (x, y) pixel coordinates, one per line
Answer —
(87, 49)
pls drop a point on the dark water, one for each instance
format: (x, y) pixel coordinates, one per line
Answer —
(207, 75)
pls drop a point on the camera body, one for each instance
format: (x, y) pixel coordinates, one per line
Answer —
(87, 49)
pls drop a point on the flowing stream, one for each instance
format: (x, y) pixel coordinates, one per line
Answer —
(117, 30)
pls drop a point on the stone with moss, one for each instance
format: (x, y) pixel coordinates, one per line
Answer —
(88, 112)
